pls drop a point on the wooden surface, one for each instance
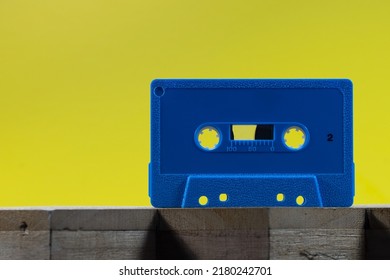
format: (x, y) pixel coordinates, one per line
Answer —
(377, 234)
(314, 233)
(103, 234)
(103, 245)
(24, 234)
(213, 234)
(230, 233)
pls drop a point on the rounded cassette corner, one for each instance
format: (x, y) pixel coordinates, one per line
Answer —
(348, 202)
(347, 82)
(155, 82)
(157, 88)
(347, 85)
(156, 202)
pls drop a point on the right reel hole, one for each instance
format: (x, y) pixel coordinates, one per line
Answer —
(294, 138)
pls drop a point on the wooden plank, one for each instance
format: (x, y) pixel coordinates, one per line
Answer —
(24, 234)
(103, 245)
(318, 244)
(104, 219)
(317, 218)
(32, 220)
(317, 233)
(378, 234)
(213, 219)
(229, 233)
(104, 233)
(205, 244)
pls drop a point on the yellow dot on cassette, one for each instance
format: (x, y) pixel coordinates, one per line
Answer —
(294, 138)
(300, 200)
(223, 197)
(280, 197)
(208, 138)
(203, 200)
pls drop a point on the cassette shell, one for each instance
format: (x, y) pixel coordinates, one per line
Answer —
(263, 170)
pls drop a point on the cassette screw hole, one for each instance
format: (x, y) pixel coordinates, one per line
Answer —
(223, 197)
(280, 197)
(159, 91)
(203, 200)
(300, 200)
(294, 138)
(208, 138)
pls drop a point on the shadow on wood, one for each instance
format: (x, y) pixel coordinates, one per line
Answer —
(213, 234)
(378, 234)
(103, 234)
(169, 245)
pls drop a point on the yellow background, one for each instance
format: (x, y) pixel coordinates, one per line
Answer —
(75, 75)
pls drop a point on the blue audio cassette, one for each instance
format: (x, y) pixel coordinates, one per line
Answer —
(251, 143)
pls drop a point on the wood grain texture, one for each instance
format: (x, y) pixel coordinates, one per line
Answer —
(229, 233)
(212, 234)
(24, 234)
(317, 233)
(103, 245)
(213, 219)
(16, 245)
(15, 220)
(316, 244)
(217, 244)
(104, 219)
(316, 218)
(104, 234)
